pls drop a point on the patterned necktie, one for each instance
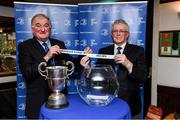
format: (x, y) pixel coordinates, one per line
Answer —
(52, 61)
(116, 66)
(45, 46)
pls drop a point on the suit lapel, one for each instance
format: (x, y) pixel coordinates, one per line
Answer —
(38, 49)
(110, 51)
(127, 49)
(52, 42)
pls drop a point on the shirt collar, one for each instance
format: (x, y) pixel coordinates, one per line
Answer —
(41, 42)
(122, 46)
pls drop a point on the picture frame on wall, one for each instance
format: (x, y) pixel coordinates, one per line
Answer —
(169, 43)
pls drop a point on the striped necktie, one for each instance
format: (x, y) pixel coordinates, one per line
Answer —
(45, 46)
(52, 61)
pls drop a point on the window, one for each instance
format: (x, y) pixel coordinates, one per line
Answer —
(7, 46)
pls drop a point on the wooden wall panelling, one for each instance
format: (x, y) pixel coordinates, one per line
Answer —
(168, 98)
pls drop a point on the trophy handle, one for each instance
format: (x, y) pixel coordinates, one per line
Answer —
(72, 68)
(40, 70)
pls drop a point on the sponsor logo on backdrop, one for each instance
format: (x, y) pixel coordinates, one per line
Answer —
(83, 43)
(105, 10)
(67, 23)
(83, 22)
(19, 75)
(21, 96)
(67, 43)
(21, 117)
(54, 32)
(24, 32)
(140, 42)
(76, 23)
(20, 21)
(104, 32)
(76, 43)
(21, 106)
(93, 22)
(21, 85)
(107, 43)
(93, 42)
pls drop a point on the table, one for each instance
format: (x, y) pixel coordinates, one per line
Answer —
(78, 109)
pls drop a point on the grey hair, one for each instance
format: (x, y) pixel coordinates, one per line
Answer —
(40, 15)
(121, 21)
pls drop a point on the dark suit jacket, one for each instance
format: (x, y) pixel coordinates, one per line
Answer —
(31, 54)
(129, 83)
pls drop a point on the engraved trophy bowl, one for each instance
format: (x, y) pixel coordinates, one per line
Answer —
(98, 85)
(56, 76)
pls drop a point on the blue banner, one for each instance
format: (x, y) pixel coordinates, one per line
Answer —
(79, 26)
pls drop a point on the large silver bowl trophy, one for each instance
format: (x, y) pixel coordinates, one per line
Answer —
(56, 76)
(98, 85)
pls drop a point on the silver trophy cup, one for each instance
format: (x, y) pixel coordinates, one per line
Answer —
(56, 76)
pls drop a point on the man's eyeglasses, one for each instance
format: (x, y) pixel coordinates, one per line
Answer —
(119, 31)
(40, 27)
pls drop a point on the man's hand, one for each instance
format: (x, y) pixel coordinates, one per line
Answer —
(53, 50)
(88, 50)
(121, 58)
(85, 60)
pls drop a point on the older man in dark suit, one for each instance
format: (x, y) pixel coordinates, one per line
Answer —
(40, 48)
(129, 63)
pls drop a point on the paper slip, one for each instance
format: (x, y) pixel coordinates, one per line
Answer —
(76, 52)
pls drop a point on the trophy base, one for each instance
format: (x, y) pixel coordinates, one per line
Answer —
(57, 101)
(57, 106)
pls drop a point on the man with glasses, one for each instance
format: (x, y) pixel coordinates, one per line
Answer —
(40, 48)
(129, 64)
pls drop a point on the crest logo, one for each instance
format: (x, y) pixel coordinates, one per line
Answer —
(21, 85)
(83, 43)
(20, 21)
(105, 10)
(21, 106)
(104, 32)
(83, 22)
(67, 43)
(67, 22)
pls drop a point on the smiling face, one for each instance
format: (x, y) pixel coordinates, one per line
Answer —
(120, 33)
(41, 28)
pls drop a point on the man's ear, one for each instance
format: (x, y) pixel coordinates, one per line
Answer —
(127, 35)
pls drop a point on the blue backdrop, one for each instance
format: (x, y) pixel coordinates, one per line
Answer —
(79, 26)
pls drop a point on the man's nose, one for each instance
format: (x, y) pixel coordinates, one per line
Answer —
(118, 33)
(42, 28)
